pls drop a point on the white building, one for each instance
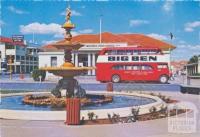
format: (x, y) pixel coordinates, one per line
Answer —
(87, 55)
(193, 68)
(24, 57)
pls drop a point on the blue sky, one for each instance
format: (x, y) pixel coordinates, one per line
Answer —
(156, 19)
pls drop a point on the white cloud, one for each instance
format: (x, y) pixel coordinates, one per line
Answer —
(158, 36)
(62, 35)
(59, 35)
(42, 28)
(74, 33)
(190, 26)
(196, 47)
(45, 42)
(73, 13)
(168, 6)
(86, 31)
(138, 22)
(51, 28)
(17, 11)
(181, 42)
(185, 51)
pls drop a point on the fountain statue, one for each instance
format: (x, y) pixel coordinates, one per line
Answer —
(68, 70)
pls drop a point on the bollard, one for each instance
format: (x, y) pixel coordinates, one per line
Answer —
(109, 86)
(188, 80)
(73, 111)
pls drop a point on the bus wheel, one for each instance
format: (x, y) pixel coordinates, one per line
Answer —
(115, 78)
(163, 79)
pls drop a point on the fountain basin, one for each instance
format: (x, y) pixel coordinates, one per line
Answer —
(55, 103)
(123, 111)
(65, 71)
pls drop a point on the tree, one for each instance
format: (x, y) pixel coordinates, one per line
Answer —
(194, 59)
(36, 74)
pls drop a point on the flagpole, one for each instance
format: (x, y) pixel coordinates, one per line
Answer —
(33, 38)
(100, 23)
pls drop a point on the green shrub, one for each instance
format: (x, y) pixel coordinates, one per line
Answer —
(37, 73)
(91, 115)
(197, 74)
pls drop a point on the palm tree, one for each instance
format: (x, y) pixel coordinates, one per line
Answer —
(194, 59)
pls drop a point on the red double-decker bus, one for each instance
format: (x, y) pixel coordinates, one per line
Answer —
(118, 64)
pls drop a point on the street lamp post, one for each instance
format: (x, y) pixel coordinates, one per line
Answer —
(10, 67)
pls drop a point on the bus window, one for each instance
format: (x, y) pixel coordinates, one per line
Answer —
(136, 52)
(144, 51)
(155, 51)
(129, 52)
(158, 52)
(128, 67)
(121, 52)
(162, 66)
(113, 52)
(118, 67)
(136, 67)
(146, 67)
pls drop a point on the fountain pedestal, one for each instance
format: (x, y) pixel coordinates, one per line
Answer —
(73, 111)
(109, 87)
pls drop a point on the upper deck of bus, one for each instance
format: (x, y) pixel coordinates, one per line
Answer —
(130, 50)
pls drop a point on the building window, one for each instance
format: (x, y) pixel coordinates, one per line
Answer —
(27, 58)
(9, 46)
(35, 58)
(22, 57)
(17, 57)
(53, 61)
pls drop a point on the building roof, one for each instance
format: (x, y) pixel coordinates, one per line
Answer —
(10, 41)
(178, 65)
(107, 37)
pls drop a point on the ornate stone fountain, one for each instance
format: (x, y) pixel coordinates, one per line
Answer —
(68, 69)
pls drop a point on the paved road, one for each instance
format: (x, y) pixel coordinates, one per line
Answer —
(90, 83)
(93, 86)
